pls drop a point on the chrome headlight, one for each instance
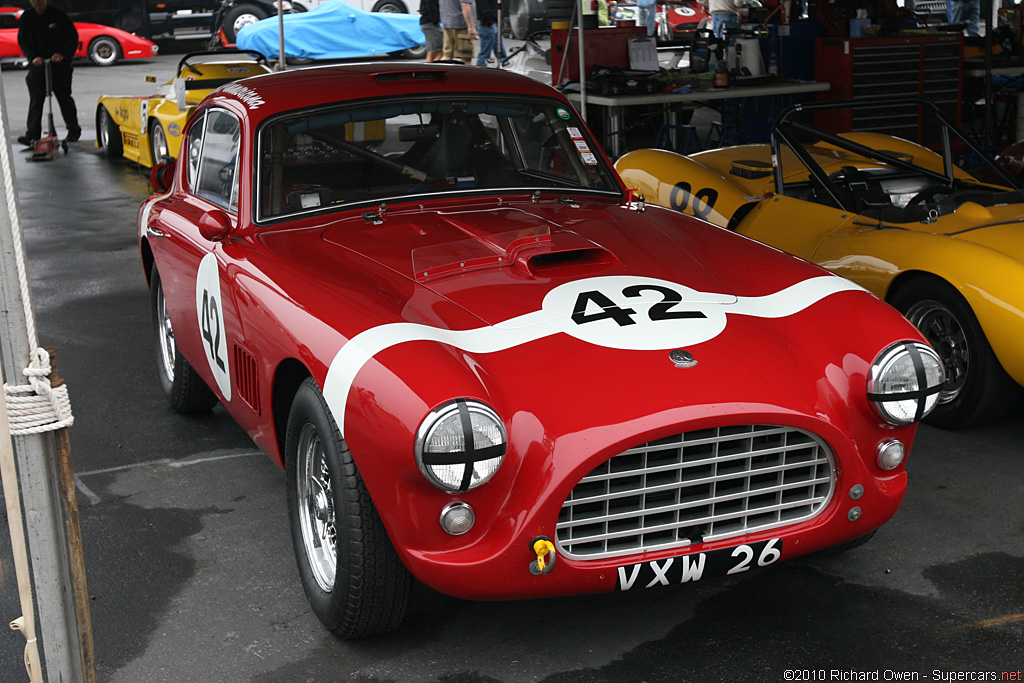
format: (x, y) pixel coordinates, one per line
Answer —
(905, 382)
(460, 445)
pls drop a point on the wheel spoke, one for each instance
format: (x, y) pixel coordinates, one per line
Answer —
(317, 517)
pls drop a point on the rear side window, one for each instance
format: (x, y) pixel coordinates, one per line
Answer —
(212, 149)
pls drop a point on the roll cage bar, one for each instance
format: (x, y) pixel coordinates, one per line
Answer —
(785, 131)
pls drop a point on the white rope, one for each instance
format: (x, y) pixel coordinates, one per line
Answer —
(19, 247)
(37, 407)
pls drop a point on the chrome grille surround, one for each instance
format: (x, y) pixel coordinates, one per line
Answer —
(696, 487)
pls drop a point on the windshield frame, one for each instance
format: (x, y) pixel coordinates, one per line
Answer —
(580, 140)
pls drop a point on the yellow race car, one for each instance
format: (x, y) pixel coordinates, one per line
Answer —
(905, 222)
(148, 129)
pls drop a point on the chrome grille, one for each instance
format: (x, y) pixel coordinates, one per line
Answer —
(696, 487)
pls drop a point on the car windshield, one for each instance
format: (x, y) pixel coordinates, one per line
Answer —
(395, 150)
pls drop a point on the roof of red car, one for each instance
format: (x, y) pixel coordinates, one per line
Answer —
(285, 90)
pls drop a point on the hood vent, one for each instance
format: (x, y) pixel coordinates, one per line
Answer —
(569, 262)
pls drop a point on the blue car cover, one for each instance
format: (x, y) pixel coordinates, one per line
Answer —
(334, 30)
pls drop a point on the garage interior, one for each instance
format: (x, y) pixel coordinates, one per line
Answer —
(184, 524)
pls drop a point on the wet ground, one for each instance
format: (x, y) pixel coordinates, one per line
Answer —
(190, 567)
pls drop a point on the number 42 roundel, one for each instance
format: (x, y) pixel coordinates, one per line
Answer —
(209, 310)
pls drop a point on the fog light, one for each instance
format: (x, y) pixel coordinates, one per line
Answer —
(457, 518)
(890, 454)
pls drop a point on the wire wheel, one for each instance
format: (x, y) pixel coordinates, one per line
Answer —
(165, 335)
(104, 51)
(940, 327)
(316, 497)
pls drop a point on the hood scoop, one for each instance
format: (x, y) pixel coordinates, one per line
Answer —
(536, 252)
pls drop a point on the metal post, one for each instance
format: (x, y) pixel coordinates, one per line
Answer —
(35, 454)
(281, 61)
(986, 10)
(583, 63)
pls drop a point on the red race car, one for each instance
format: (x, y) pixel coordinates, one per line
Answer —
(104, 45)
(485, 364)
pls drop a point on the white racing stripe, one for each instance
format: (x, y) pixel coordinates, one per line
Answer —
(645, 314)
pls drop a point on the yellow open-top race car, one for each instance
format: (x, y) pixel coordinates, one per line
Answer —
(903, 221)
(147, 129)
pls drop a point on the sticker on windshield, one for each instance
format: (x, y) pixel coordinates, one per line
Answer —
(589, 159)
(581, 145)
(624, 312)
(210, 311)
(562, 114)
(574, 132)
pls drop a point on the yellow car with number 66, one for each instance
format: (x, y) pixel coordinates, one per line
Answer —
(905, 222)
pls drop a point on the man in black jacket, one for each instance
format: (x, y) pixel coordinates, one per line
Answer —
(45, 32)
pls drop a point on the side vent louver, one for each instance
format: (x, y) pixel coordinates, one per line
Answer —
(247, 380)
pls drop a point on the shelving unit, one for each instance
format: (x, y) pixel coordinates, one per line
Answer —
(929, 66)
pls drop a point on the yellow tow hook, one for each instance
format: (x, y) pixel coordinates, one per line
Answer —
(545, 551)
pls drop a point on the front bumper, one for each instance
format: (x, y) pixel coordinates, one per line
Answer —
(522, 503)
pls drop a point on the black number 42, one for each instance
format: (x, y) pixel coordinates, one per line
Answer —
(211, 327)
(663, 310)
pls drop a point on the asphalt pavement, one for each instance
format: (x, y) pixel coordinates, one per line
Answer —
(190, 568)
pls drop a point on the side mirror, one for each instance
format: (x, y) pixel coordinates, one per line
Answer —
(214, 225)
(162, 176)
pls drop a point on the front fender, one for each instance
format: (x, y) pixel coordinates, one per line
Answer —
(681, 183)
(984, 276)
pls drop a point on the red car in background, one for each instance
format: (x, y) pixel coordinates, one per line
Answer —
(103, 45)
(674, 20)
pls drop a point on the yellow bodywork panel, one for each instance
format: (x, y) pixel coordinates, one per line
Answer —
(978, 250)
(137, 116)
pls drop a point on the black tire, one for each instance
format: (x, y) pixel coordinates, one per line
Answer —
(977, 387)
(185, 390)
(158, 149)
(848, 545)
(392, 6)
(358, 587)
(519, 19)
(417, 53)
(108, 134)
(239, 16)
(104, 51)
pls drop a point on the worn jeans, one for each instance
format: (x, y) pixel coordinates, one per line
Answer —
(965, 10)
(489, 43)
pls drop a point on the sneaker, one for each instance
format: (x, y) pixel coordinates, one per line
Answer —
(74, 135)
(26, 141)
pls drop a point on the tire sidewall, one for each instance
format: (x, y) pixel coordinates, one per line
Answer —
(986, 381)
(155, 292)
(99, 61)
(234, 14)
(113, 147)
(308, 407)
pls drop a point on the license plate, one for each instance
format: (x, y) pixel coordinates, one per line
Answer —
(698, 566)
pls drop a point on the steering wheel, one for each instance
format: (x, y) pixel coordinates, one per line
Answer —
(933, 194)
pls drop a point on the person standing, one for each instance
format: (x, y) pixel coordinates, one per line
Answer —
(46, 32)
(459, 29)
(724, 15)
(487, 29)
(969, 11)
(646, 10)
(430, 24)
